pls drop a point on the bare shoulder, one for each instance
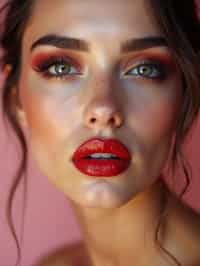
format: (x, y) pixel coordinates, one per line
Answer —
(73, 255)
(183, 229)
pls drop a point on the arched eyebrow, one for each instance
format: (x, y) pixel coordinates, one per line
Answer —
(143, 43)
(64, 42)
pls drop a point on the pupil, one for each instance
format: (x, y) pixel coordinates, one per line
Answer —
(145, 70)
(61, 68)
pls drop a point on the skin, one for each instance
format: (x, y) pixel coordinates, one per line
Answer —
(118, 215)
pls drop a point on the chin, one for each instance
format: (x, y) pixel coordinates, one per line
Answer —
(102, 204)
(103, 197)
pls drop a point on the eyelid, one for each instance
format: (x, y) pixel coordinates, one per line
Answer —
(76, 60)
(133, 63)
(156, 56)
(45, 62)
(60, 62)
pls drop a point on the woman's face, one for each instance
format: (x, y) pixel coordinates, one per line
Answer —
(122, 70)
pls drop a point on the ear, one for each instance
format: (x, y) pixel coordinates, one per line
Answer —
(17, 108)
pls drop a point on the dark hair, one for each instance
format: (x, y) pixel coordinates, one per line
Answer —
(181, 29)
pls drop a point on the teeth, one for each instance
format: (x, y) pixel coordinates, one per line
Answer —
(103, 155)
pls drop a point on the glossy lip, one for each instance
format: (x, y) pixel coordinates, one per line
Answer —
(102, 167)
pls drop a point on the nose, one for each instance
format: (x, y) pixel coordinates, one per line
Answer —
(102, 113)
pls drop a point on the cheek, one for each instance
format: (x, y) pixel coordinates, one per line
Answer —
(42, 131)
(153, 120)
(49, 112)
(159, 120)
(50, 117)
(153, 114)
(44, 134)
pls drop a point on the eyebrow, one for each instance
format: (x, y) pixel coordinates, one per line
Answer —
(64, 42)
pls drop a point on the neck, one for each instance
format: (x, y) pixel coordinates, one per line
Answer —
(121, 235)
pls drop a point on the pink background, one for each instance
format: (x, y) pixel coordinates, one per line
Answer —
(49, 221)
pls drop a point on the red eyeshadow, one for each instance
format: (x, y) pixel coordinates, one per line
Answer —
(41, 57)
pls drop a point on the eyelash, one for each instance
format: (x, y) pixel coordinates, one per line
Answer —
(44, 68)
(158, 69)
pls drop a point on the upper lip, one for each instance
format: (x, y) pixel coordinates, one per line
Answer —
(99, 145)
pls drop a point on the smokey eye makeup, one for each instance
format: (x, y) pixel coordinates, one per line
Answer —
(148, 69)
(149, 66)
(58, 66)
(146, 66)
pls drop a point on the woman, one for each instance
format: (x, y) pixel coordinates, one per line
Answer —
(103, 89)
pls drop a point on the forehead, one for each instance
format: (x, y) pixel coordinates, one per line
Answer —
(92, 20)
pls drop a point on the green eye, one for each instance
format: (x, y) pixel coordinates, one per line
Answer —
(147, 71)
(61, 69)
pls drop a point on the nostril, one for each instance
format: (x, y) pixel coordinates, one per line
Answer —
(93, 120)
(112, 120)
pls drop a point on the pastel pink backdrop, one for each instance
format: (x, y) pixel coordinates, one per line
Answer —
(49, 221)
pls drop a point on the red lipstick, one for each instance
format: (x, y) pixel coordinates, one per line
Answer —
(102, 157)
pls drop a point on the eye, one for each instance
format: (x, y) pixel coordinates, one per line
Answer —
(61, 69)
(148, 70)
(58, 67)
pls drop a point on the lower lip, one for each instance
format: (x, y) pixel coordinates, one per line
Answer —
(101, 167)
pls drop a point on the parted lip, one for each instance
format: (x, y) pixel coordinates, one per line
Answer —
(100, 145)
